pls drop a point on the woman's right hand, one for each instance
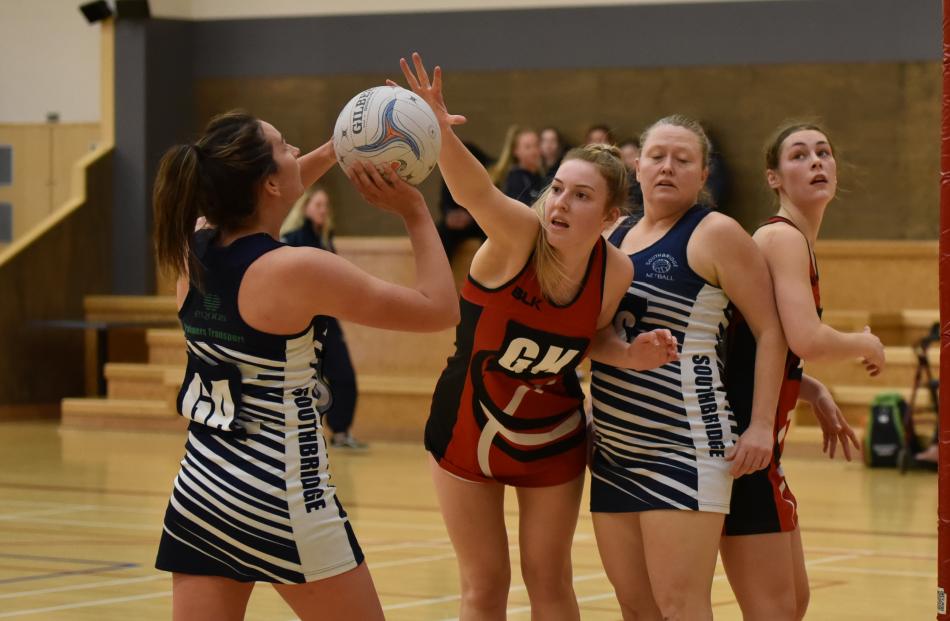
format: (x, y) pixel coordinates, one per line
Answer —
(430, 92)
(386, 191)
(874, 357)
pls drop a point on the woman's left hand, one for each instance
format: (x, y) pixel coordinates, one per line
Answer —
(384, 189)
(834, 426)
(652, 349)
(752, 451)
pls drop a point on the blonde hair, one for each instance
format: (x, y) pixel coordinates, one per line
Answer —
(499, 170)
(548, 265)
(705, 145)
(298, 217)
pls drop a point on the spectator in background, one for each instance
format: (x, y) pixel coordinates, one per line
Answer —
(717, 184)
(599, 134)
(630, 152)
(457, 224)
(518, 171)
(310, 223)
(553, 147)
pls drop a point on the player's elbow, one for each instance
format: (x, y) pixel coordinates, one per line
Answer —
(805, 346)
(440, 317)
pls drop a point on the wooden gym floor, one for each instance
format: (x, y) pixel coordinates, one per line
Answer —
(80, 516)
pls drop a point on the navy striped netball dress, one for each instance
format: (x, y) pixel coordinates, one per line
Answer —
(252, 500)
(660, 436)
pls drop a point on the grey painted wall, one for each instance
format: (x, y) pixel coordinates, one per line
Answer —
(154, 110)
(599, 37)
(129, 225)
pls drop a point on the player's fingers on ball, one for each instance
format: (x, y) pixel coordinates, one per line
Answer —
(387, 175)
(374, 178)
(358, 176)
(437, 78)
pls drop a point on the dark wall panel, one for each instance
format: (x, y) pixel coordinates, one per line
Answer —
(717, 33)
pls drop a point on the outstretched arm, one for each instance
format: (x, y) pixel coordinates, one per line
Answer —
(508, 223)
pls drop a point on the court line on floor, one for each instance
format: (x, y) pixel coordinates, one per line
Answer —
(87, 490)
(894, 573)
(96, 524)
(99, 602)
(872, 533)
(85, 586)
(83, 506)
(30, 611)
(443, 599)
(423, 508)
(38, 513)
(411, 561)
(612, 594)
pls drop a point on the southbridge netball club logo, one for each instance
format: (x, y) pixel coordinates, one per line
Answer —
(661, 265)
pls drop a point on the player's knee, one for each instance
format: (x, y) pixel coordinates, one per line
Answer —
(547, 580)
(486, 590)
(673, 601)
(775, 606)
(637, 605)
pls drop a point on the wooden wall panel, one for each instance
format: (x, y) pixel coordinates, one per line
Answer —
(45, 277)
(43, 157)
(883, 118)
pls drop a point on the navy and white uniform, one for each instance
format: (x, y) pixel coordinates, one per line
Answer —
(660, 436)
(252, 500)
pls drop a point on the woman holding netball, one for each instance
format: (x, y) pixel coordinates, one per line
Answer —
(665, 446)
(508, 409)
(252, 501)
(762, 545)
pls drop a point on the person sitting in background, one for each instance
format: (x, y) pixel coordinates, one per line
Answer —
(599, 134)
(457, 224)
(310, 223)
(717, 184)
(553, 147)
(630, 152)
(518, 170)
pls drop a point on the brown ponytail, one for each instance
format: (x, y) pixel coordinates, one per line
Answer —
(175, 202)
(217, 177)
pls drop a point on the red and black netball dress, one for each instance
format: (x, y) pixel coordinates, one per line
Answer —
(508, 406)
(762, 501)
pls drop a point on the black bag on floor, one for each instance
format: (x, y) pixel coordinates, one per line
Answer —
(884, 437)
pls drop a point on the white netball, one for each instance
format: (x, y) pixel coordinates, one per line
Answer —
(387, 124)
